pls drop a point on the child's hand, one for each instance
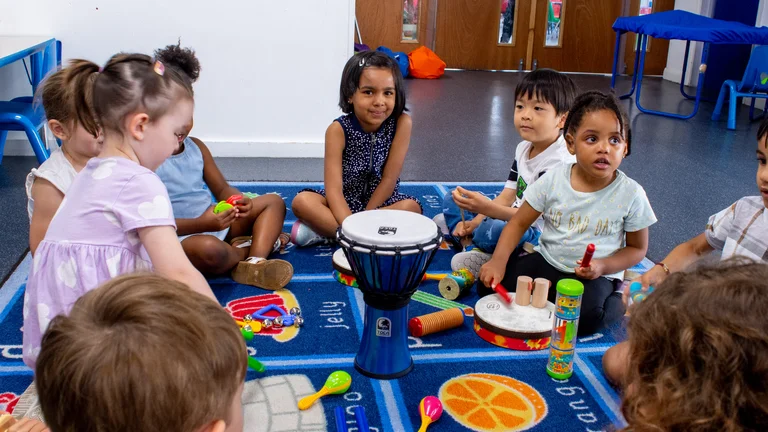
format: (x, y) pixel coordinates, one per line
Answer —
(594, 271)
(213, 222)
(464, 229)
(244, 207)
(492, 272)
(29, 425)
(652, 277)
(471, 201)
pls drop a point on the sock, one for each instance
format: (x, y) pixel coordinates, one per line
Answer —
(254, 260)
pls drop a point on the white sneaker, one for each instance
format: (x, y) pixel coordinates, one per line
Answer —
(440, 221)
(303, 236)
(471, 260)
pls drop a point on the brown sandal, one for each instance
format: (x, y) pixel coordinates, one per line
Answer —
(272, 274)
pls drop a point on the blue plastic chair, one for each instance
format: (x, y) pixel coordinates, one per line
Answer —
(23, 115)
(754, 85)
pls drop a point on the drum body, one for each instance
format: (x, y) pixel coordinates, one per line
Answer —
(389, 252)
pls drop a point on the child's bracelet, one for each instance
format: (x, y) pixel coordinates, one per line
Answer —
(664, 266)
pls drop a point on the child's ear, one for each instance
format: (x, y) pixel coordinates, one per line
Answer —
(569, 143)
(58, 129)
(214, 426)
(561, 122)
(137, 125)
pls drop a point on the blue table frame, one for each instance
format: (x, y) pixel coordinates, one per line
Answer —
(44, 57)
(637, 77)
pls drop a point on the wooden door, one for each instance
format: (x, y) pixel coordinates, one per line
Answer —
(656, 53)
(381, 22)
(482, 34)
(575, 35)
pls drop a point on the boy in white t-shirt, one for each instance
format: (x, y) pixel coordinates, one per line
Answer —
(542, 101)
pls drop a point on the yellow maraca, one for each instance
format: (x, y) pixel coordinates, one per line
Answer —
(337, 383)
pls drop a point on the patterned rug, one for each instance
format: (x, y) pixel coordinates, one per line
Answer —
(482, 387)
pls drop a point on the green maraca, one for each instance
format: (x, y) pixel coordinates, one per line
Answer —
(337, 383)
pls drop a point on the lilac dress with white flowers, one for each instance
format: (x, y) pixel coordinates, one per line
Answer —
(92, 238)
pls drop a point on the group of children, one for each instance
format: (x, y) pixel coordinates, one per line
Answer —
(130, 191)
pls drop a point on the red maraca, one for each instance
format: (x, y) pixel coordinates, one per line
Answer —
(231, 200)
(430, 409)
(588, 255)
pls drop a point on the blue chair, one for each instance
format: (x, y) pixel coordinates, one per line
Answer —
(22, 114)
(754, 85)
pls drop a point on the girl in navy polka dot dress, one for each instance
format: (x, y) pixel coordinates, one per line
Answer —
(364, 151)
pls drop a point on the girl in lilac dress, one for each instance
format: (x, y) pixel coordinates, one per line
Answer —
(116, 217)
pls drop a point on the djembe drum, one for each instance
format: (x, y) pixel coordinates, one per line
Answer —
(389, 252)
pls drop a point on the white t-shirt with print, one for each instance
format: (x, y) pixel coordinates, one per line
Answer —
(573, 219)
(525, 171)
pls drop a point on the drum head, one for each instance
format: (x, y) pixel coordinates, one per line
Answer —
(513, 320)
(340, 263)
(389, 228)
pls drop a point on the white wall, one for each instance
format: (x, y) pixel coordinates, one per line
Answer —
(674, 70)
(271, 68)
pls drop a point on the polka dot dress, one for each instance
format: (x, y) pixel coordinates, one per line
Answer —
(363, 162)
(92, 238)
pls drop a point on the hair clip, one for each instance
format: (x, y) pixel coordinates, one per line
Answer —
(362, 62)
(101, 69)
(159, 68)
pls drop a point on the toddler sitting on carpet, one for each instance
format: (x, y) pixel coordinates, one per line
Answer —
(238, 240)
(698, 353)
(135, 355)
(47, 184)
(542, 101)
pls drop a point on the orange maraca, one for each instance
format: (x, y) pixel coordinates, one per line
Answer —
(430, 409)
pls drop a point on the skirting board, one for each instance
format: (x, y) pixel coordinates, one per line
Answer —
(21, 147)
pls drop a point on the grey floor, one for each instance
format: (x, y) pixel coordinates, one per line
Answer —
(464, 131)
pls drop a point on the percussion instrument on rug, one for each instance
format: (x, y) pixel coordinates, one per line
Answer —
(436, 322)
(512, 326)
(456, 285)
(342, 272)
(564, 328)
(389, 252)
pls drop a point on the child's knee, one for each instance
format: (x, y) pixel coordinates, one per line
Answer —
(615, 363)
(273, 201)
(302, 203)
(411, 206)
(213, 256)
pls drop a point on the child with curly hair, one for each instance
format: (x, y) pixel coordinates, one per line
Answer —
(698, 352)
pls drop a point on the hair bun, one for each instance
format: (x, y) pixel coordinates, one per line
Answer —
(183, 60)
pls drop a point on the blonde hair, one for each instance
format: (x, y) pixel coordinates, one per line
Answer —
(140, 353)
(57, 96)
(699, 353)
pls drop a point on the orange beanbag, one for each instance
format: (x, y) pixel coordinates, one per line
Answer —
(423, 63)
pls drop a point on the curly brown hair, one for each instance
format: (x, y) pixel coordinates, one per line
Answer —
(699, 352)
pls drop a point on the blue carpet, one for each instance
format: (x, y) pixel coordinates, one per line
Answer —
(298, 361)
